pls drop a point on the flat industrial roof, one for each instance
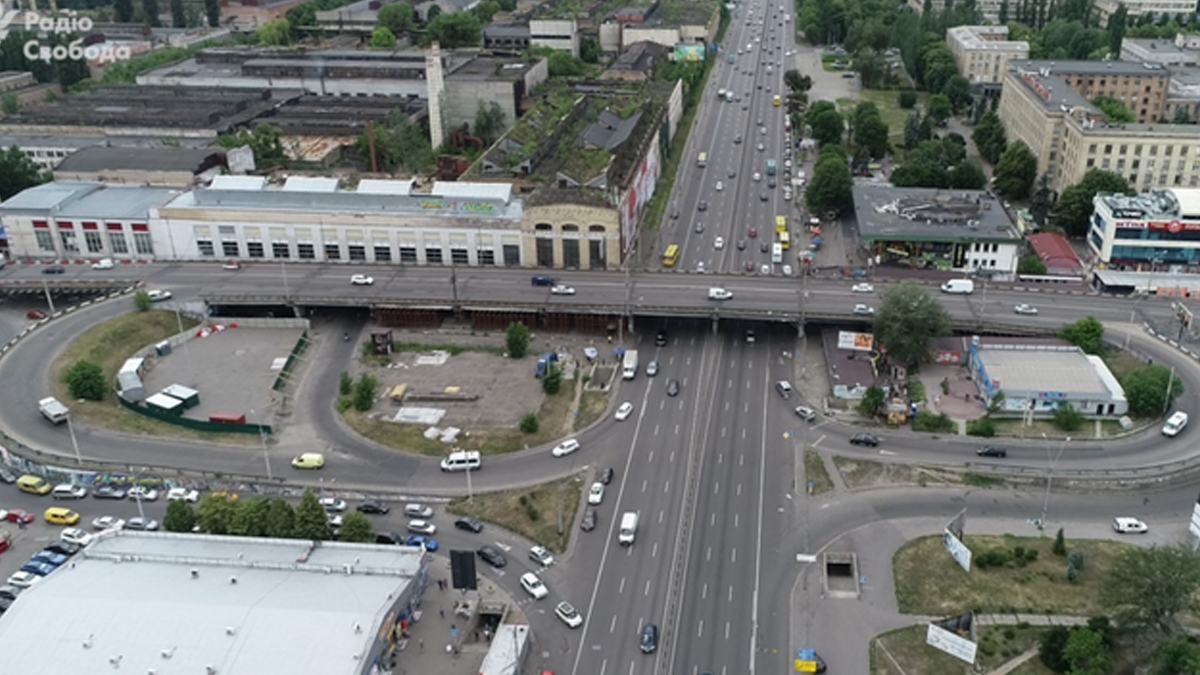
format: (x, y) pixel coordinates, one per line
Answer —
(1065, 370)
(1070, 67)
(889, 213)
(47, 196)
(101, 158)
(176, 603)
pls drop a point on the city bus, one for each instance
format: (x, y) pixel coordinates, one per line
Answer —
(785, 240)
(671, 256)
(778, 100)
(702, 160)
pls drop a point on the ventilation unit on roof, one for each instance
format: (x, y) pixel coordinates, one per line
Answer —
(168, 653)
(230, 630)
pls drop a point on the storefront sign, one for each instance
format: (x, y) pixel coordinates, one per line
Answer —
(1171, 226)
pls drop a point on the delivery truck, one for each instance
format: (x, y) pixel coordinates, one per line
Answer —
(630, 364)
(959, 286)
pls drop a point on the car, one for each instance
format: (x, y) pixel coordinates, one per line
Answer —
(756, 177)
(787, 270)
(157, 295)
(74, 535)
(649, 638)
(702, 206)
(569, 615)
(54, 269)
(717, 293)
(308, 460)
(68, 491)
(334, 520)
(862, 288)
(428, 543)
(562, 289)
(588, 523)
(65, 548)
(765, 269)
(361, 280)
(660, 338)
(333, 504)
(390, 538)
(700, 267)
(35, 315)
(50, 557)
(864, 310)
(58, 515)
(865, 439)
(1025, 309)
(652, 369)
(771, 183)
(762, 196)
(719, 243)
(492, 556)
(991, 451)
(752, 233)
(806, 413)
(732, 173)
(624, 411)
(565, 448)
(760, 147)
(741, 245)
(762, 131)
(699, 228)
(10, 593)
(469, 525)
(672, 387)
(108, 523)
(605, 475)
(144, 524)
(764, 246)
(104, 264)
(39, 568)
(143, 493)
(737, 140)
(1127, 525)
(108, 492)
(596, 494)
(541, 556)
(22, 580)
(750, 335)
(374, 507)
(420, 511)
(719, 186)
(232, 265)
(182, 494)
(422, 527)
(534, 586)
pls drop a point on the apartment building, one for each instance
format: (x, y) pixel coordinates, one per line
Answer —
(989, 10)
(982, 53)
(1156, 8)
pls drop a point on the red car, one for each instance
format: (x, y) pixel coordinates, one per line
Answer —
(18, 516)
(35, 315)
(753, 232)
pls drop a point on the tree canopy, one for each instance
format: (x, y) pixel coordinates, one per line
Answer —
(1016, 171)
(1146, 390)
(1150, 587)
(907, 320)
(831, 187)
(18, 173)
(989, 137)
(397, 17)
(399, 144)
(1074, 207)
(456, 29)
(827, 123)
(939, 163)
(1086, 333)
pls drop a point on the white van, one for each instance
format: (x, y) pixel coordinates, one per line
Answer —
(629, 523)
(959, 286)
(103, 264)
(1175, 423)
(784, 388)
(462, 460)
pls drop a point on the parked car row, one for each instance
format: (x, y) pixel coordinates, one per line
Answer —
(42, 564)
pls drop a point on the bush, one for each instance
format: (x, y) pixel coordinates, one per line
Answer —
(1067, 418)
(933, 422)
(345, 384)
(364, 392)
(983, 427)
(1072, 573)
(516, 340)
(916, 391)
(1031, 555)
(552, 380)
(996, 557)
(907, 99)
(1060, 543)
(85, 379)
(1051, 647)
(1076, 560)
(1010, 633)
(141, 301)
(529, 424)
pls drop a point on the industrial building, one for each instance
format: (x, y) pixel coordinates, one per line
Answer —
(46, 151)
(1056, 254)
(1036, 379)
(982, 53)
(1156, 229)
(322, 128)
(149, 602)
(158, 167)
(962, 230)
(1102, 9)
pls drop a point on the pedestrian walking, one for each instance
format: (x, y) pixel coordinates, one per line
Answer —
(441, 612)
(421, 645)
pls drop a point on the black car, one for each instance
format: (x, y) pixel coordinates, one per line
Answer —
(589, 520)
(649, 641)
(64, 548)
(54, 269)
(109, 492)
(869, 440)
(763, 196)
(764, 246)
(492, 556)
(469, 524)
(7, 476)
(605, 475)
(390, 538)
(660, 338)
(373, 506)
(702, 206)
(9, 592)
(991, 451)
(672, 387)
(741, 244)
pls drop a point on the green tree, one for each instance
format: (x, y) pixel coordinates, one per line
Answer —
(1086, 333)
(18, 173)
(1051, 648)
(589, 50)
(85, 380)
(989, 137)
(1016, 171)
(142, 301)
(1086, 653)
(1113, 109)
(562, 64)
(831, 187)
(1074, 207)
(10, 104)
(1151, 587)
(456, 29)
(529, 424)
(311, 521)
(382, 38)
(432, 13)
(908, 319)
(958, 90)
(241, 522)
(150, 12)
(212, 12)
(552, 380)
(1177, 656)
(345, 384)
(1116, 28)
(277, 33)
(1067, 418)
(1042, 200)
(181, 517)
(907, 99)
(1060, 543)
(872, 402)
(939, 109)
(1146, 389)
(255, 517)
(123, 10)
(967, 175)
(399, 144)
(265, 142)
(486, 10)
(280, 519)
(516, 340)
(797, 82)
(356, 528)
(827, 126)
(178, 15)
(215, 514)
(1031, 264)
(869, 131)
(364, 392)
(489, 122)
(397, 17)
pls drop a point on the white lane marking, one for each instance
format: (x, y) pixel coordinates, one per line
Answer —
(650, 457)
(712, 520)
(612, 625)
(644, 484)
(604, 664)
(708, 554)
(647, 591)
(735, 521)
(741, 460)
(717, 488)
(676, 429)
(739, 489)
(661, 515)
(700, 629)
(704, 592)
(730, 592)
(621, 586)
(672, 457)
(762, 472)
(887, 453)
(818, 441)
(720, 458)
(724, 431)
(743, 434)
(655, 429)
(726, 630)
(733, 555)
(667, 487)
(654, 550)
(631, 667)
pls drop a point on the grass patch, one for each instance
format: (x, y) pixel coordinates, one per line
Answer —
(815, 473)
(544, 514)
(981, 480)
(109, 345)
(887, 100)
(864, 473)
(452, 350)
(592, 406)
(1121, 362)
(997, 645)
(928, 581)
(1013, 428)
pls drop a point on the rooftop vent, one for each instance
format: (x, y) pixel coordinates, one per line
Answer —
(230, 630)
(115, 661)
(87, 644)
(195, 573)
(168, 653)
(210, 669)
(233, 580)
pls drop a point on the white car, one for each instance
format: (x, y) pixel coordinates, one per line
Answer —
(105, 264)
(719, 294)
(569, 615)
(596, 493)
(362, 280)
(74, 535)
(565, 448)
(865, 310)
(143, 493)
(183, 495)
(157, 295)
(562, 289)
(765, 269)
(541, 556)
(787, 270)
(719, 186)
(422, 527)
(757, 176)
(1025, 309)
(534, 586)
(624, 411)
(334, 519)
(1126, 525)
(335, 504)
(108, 523)
(23, 579)
(419, 511)
(862, 288)
(719, 243)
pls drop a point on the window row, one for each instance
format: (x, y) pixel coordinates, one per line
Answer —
(93, 242)
(281, 250)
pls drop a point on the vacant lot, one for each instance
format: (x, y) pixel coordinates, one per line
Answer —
(928, 581)
(815, 473)
(544, 514)
(906, 648)
(889, 110)
(865, 473)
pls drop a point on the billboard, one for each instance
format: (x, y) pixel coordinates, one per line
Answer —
(952, 538)
(641, 189)
(1194, 527)
(859, 342)
(689, 51)
(953, 644)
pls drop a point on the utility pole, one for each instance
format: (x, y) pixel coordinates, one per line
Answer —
(1050, 477)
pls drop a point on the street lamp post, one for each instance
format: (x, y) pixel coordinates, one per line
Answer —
(262, 437)
(74, 441)
(49, 298)
(1050, 477)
